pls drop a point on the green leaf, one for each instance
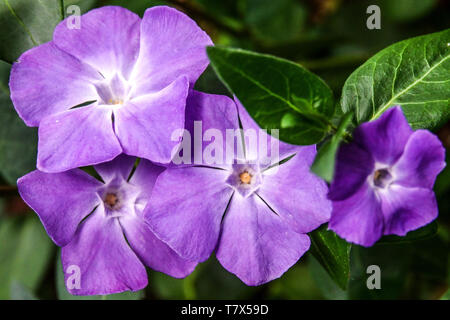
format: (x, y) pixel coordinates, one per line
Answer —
(412, 73)
(277, 93)
(209, 83)
(423, 233)
(25, 252)
(63, 294)
(26, 24)
(325, 159)
(333, 253)
(18, 143)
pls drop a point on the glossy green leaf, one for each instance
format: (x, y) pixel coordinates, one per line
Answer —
(412, 73)
(63, 294)
(277, 93)
(25, 253)
(333, 253)
(18, 143)
(209, 83)
(25, 24)
(324, 162)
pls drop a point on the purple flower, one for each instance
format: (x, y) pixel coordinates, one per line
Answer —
(384, 179)
(253, 213)
(117, 84)
(100, 225)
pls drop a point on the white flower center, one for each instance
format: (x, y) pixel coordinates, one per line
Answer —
(114, 91)
(245, 178)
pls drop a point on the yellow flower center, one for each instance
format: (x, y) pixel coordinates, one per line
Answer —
(115, 101)
(245, 177)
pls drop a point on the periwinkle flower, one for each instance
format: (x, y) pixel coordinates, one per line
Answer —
(117, 84)
(255, 214)
(100, 225)
(384, 179)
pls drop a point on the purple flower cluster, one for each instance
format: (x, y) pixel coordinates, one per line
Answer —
(112, 93)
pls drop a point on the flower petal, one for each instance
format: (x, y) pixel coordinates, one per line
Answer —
(61, 200)
(108, 39)
(46, 80)
(268, 149)
(145, 125)
(152, 251)
(353, 166)
(76, 138)
(256, 244)
(120, 166)
(407, 209)
(296, 194)
(217, 114)
(145, 178)
(186, 209)
(421, 162)
(172, 45)
(358, 218)
(386, 137)
(106, 263)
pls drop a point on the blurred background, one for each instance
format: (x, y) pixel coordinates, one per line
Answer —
(330, 38)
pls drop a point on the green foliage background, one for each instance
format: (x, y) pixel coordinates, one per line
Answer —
(326, 37)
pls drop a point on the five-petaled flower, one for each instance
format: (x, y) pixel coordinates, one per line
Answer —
(384, 179)
(254, 214)
(117, 84)
(100, 225)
